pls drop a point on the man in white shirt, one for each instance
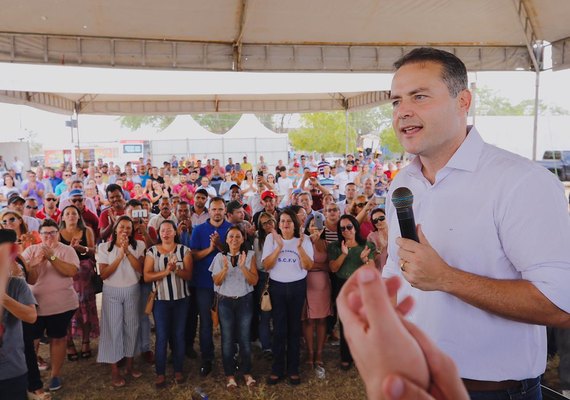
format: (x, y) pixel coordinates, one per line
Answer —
(488, 271)
(164, 214)
(205, 184)
(18, 167)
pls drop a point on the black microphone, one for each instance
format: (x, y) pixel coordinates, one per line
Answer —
(403, 199)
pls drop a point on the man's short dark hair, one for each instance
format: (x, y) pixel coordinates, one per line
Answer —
(202, 192)
(233, 205)
(453, 71)
(113, 187)
(134, 203)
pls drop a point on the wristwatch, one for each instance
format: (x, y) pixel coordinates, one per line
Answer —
(52, 257)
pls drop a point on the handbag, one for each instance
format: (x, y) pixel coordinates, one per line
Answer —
(150, 302)
(214, 312)
(96, 280)
(265, 302)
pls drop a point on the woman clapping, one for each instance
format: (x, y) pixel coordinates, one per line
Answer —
(234, 273)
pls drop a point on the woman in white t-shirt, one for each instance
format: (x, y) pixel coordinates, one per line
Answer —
(249, 187)
(120, 262)
(287, 255)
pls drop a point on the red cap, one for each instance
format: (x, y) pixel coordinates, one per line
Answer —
(266, 194)
(296, 164)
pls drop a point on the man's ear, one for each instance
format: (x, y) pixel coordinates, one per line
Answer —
(464, 99)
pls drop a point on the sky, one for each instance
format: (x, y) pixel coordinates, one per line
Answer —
(49, 128)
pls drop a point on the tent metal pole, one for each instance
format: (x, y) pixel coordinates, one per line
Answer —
(536, 111)
(346, 132)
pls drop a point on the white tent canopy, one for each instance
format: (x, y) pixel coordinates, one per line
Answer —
(272, 35)
(248, 127)
(183, 127)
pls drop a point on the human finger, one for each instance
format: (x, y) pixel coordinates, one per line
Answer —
(396, 387)
(407, 244)
(374, 295)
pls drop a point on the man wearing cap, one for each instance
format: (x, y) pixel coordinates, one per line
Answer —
(236, 195)
(49, 210)
(78, 199)
(269, 201)
(16, 203)
(33, 188)
(199, 210)
(18, 304)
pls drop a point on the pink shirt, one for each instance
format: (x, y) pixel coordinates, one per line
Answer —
(53, 291)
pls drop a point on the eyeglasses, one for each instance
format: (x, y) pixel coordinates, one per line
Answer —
(49, 233)
(32, 208)
(346, 228)
(76, 200)
(333, 210)
(9, 221)
(379, 219)
(360, 204)
(50, 199)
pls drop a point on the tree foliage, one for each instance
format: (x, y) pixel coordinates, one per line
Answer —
(389, 140)
(323, 133)
(134, 122)
(489, 103)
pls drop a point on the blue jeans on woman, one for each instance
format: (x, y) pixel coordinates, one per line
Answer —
(287, 300)
(235, 323)
(170, 320)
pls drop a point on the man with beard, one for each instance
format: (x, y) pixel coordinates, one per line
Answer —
(206, 242)
(109, 215)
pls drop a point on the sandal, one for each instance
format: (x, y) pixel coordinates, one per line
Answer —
(134, 373)
(118, 382)
(232, 384)
(72, 353)
(39, 396)
(249, 381)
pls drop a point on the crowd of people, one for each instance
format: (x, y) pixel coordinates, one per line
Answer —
(193, 237)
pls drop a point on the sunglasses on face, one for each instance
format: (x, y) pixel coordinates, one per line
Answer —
(32, 208)
(48, 233)
(51, 199)
(9, 221)
(379, 219)
(360, 204)
(346, 228)
(76, 200)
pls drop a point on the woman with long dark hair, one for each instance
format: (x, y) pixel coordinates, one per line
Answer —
(234, 273)
(168, 265)
(349, 253)
(287, 255)
(85, 322)
(379, 237)
(120, 262)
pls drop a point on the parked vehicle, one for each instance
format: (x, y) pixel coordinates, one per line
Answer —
(558, 162)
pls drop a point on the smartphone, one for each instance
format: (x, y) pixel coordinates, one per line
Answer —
(140, 213)
(319, 221)
(260, 173)
(314, 174)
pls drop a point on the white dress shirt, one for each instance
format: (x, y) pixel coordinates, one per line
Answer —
(494, 214)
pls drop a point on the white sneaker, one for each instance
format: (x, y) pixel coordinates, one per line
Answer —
(566, 393)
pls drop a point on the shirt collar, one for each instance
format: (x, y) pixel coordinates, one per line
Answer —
(465, 157)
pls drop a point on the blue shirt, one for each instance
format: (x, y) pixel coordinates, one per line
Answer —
(200, 240)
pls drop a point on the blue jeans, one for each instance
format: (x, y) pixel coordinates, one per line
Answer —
(530, 390)
(144, 319)
(170, 320)
(287, 300)
(205, 299)
(261, 319)
(235, 322)
(192, 321)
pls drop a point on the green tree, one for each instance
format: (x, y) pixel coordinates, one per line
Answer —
(388, 139)
(134, 122)
(490, 103)
(324, 133)
(217, 123)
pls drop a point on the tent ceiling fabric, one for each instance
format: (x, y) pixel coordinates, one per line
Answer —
(272, 35)
(111, 104)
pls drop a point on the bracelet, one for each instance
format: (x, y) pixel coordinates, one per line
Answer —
(86, 251)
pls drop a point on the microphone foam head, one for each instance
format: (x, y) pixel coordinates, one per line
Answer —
(402, 197)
